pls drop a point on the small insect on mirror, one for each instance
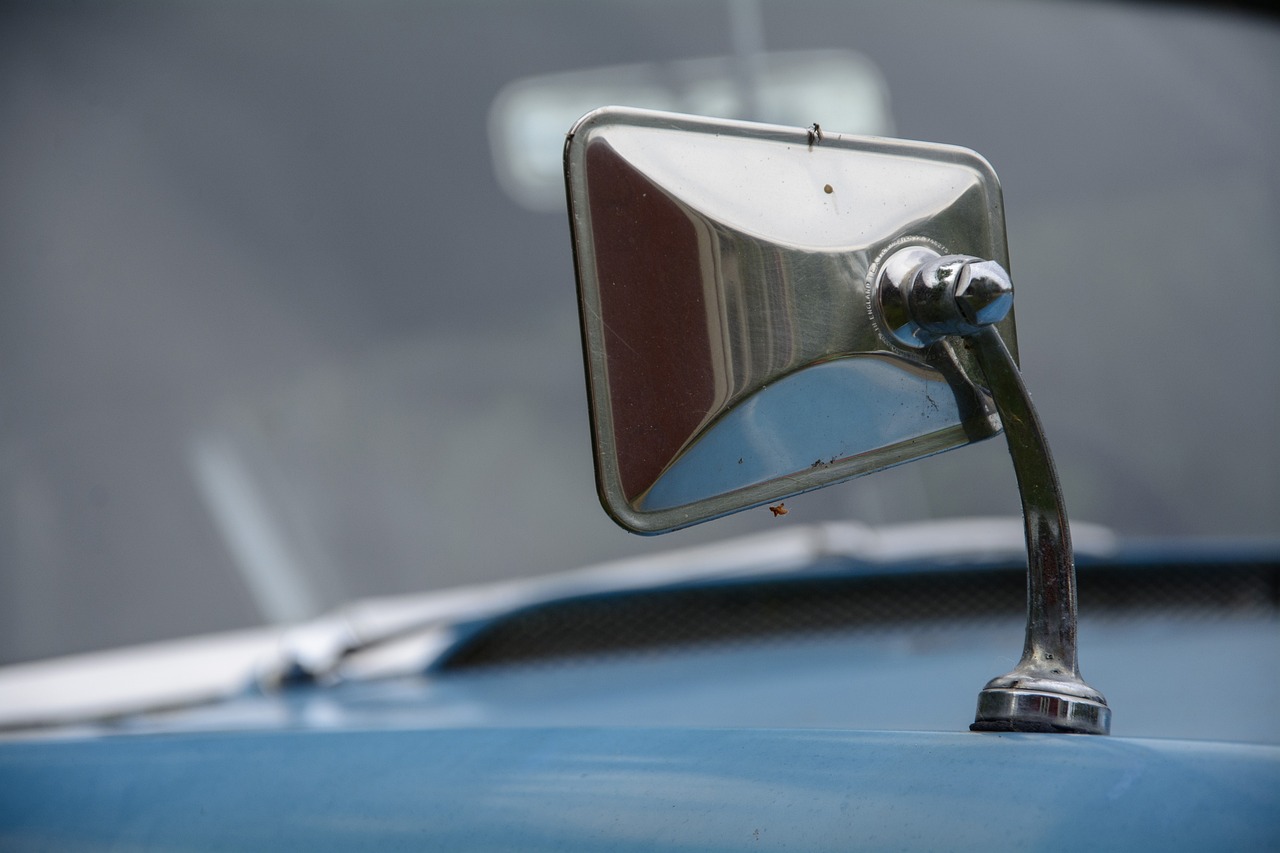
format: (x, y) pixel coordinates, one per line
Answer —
(738, 345)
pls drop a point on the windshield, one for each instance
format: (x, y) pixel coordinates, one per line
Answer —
(287, 298)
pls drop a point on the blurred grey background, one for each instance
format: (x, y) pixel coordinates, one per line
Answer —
(275, 335)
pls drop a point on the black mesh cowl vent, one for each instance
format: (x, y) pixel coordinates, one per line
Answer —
(733, 612)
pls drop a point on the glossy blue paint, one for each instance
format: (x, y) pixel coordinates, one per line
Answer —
(637, 789)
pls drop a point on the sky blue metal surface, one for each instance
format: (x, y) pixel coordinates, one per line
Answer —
(637, 789)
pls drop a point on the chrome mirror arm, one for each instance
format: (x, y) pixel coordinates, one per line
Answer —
(1044, 692)
(922, 297)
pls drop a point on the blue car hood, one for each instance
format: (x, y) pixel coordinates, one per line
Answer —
(808, 741)
(637, 789)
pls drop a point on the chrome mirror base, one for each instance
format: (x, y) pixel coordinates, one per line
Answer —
(1005, 709)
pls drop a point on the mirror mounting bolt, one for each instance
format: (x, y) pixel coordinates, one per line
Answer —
(959, 295)
(923, 295)
(984, 293)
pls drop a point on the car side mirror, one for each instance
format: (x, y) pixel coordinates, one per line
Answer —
(768, 310)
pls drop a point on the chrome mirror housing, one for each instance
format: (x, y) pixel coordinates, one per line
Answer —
(768, 310)
(737, 352)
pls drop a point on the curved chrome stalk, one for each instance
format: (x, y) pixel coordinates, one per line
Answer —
(1044, 692)
(924, 296)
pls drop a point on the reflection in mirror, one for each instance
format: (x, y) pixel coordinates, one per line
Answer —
(734, 351)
